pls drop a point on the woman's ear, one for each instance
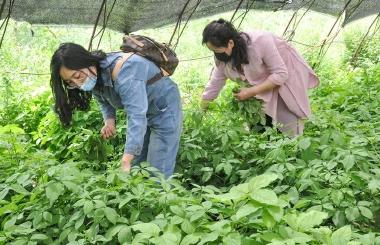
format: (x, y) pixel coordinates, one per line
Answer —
(231, 44)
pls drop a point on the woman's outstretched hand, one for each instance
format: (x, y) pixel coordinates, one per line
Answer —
(109, 129)
(126, 162)
(204, 105)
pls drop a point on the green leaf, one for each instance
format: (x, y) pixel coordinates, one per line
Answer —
(175, 220)
(304, 143)
(293, 195)
(306, 221)
(302, 203)
(227, 169)
(190, 239)
(124, 235)
(98, 215)
(269, 236)
(47, 216)
(148, 228)
(206, 176)
(368, 239)
(232, 239)
(326, 153)
(19, 189)
(125, 201)
(337, 196)
(53, 191)
(232, 195)
(11, 128)
(4, 193)
(341, 236)
(88, 206)
(348, 162)
(99, 204)
(210, 237)
(373, 185)
(177, 210)
(72, 186)
(366, 212)
(37, 218)
(301, 238)
(352, 213)
(77, 215)
(187, 227)
(111, 214)
(268, 220)
(245, 210)
(337, 138)
(207, 204)
(134, 215)
(276, 212)
(233, 135)
(140, 239)
(224, 139)
(23, 229)
(261, 181)
(265, 196)
(365, 203)
(39, 237)
(79, 222)
(90, 233)
(11, 222)
(113, 231)
(322, 235)
(221, 227)
(72, 236)
(111, 178)
(339, 219)
(196, 215)
(167, 238)
(325, 138)
(331, 165)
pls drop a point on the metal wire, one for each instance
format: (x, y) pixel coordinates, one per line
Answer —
(6, 20)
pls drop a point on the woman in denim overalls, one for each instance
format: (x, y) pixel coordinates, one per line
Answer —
(153, 111)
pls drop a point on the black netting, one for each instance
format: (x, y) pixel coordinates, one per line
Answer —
(132, 15)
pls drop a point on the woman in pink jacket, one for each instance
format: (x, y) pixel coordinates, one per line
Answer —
(277, 73)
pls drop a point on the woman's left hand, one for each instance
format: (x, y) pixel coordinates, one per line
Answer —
(126, 162)
(243, 94)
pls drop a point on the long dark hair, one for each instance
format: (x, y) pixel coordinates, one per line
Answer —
(219, 32)
(74, 57)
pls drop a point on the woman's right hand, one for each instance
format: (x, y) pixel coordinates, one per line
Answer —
(109, 129)
(204, 105)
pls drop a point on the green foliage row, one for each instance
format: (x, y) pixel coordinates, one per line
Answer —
(51, 203)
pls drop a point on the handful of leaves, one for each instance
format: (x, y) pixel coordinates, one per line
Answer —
(249, 110)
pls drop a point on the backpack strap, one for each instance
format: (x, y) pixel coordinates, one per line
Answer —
(119, 63)
(154, 79)
(158, 76)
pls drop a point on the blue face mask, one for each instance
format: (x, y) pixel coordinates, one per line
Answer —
(88, 84)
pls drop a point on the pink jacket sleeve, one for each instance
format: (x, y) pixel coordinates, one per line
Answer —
(273, 61)
(215, 84)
